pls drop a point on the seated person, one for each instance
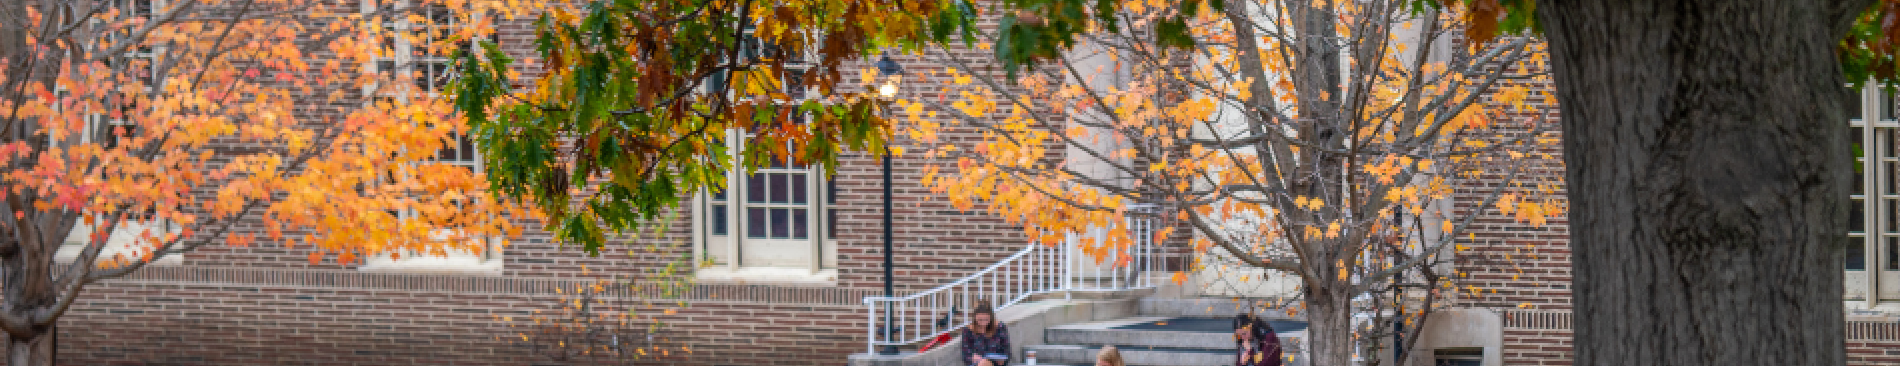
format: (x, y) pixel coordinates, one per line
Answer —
(1259, 346)
(985, 341)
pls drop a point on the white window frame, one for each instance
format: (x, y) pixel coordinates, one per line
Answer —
(1877, 201)
(722, 258)
(121, 239)
(405, 59)
(716, 253)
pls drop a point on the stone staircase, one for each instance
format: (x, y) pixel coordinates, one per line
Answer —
(1157, 341)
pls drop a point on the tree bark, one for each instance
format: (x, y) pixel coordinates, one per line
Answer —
(1329, 331)
(1708, 178)
(36, 351)
(28, 287)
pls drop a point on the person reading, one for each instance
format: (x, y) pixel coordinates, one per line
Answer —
(985, 341)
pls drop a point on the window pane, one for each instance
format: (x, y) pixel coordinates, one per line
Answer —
(1860, 178)
(831, 189)
(452, 150)
(755, 222)
(798, 188)
(779, 191)
(1891, 223)
(1893, 254)
(468, 146)
(795, 84)
(718, 219)
(717, 82)
(831, 223)
(1886, 104)
(755, 188)
(1857, 217)
(386, 67)
(801, 224)
(1853, 104)
(718, 195)
(432, 76)
(1856, 255)
(1891, 185)
(781, 223)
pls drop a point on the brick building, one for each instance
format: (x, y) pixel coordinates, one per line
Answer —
(804, 252)
(789, 273)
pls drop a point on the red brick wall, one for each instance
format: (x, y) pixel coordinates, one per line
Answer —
(1873, 352)
(196, 323)
(266, 304)
(1549, 347)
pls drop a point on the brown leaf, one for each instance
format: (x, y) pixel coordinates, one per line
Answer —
(1482, 21)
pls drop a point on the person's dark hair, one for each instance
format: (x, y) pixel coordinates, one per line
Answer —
(1260, 328)
(983, 307)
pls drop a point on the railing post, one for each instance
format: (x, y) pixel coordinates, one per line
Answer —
(1068, 266)
(870, 346)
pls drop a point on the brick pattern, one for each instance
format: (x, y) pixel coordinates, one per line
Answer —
(1867, 352)
(1547, 347)
(1512, 263)
(158, 323)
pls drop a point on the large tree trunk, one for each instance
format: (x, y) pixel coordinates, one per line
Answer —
(36, 351)
(1708, 178)
(29, 286)
(1329, 331)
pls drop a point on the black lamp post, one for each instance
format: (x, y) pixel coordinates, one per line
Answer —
(887, 68)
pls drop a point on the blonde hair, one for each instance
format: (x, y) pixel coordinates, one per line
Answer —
(1111, 355)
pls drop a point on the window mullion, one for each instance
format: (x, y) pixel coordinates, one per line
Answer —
(815, 217)
(735, 199)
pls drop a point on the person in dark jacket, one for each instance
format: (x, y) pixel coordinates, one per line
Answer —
(1259, 346)
(985, 339)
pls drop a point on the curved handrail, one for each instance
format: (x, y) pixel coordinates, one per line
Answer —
(1036, 269)
(960, 281)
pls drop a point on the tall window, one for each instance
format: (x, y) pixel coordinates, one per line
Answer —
(1873, 259)
(113, 125)
(776, 224)
(420, 68)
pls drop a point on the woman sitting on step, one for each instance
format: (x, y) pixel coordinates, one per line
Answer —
(1259, 346)
(985, 341)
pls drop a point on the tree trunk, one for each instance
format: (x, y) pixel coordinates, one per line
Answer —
(29, 287)
(1329, 330)
(36, 351)
(1708, 178)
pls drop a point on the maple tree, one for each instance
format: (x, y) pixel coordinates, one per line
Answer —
(1323, 140)
(1694, 159)
(632, 108)
(147, 129)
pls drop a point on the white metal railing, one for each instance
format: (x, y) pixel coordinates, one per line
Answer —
(1037, 269)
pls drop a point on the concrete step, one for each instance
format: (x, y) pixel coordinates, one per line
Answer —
(1165, 332)
(1211, 307)
(1139, 356)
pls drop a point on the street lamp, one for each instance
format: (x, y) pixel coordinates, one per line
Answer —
(890, 71)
